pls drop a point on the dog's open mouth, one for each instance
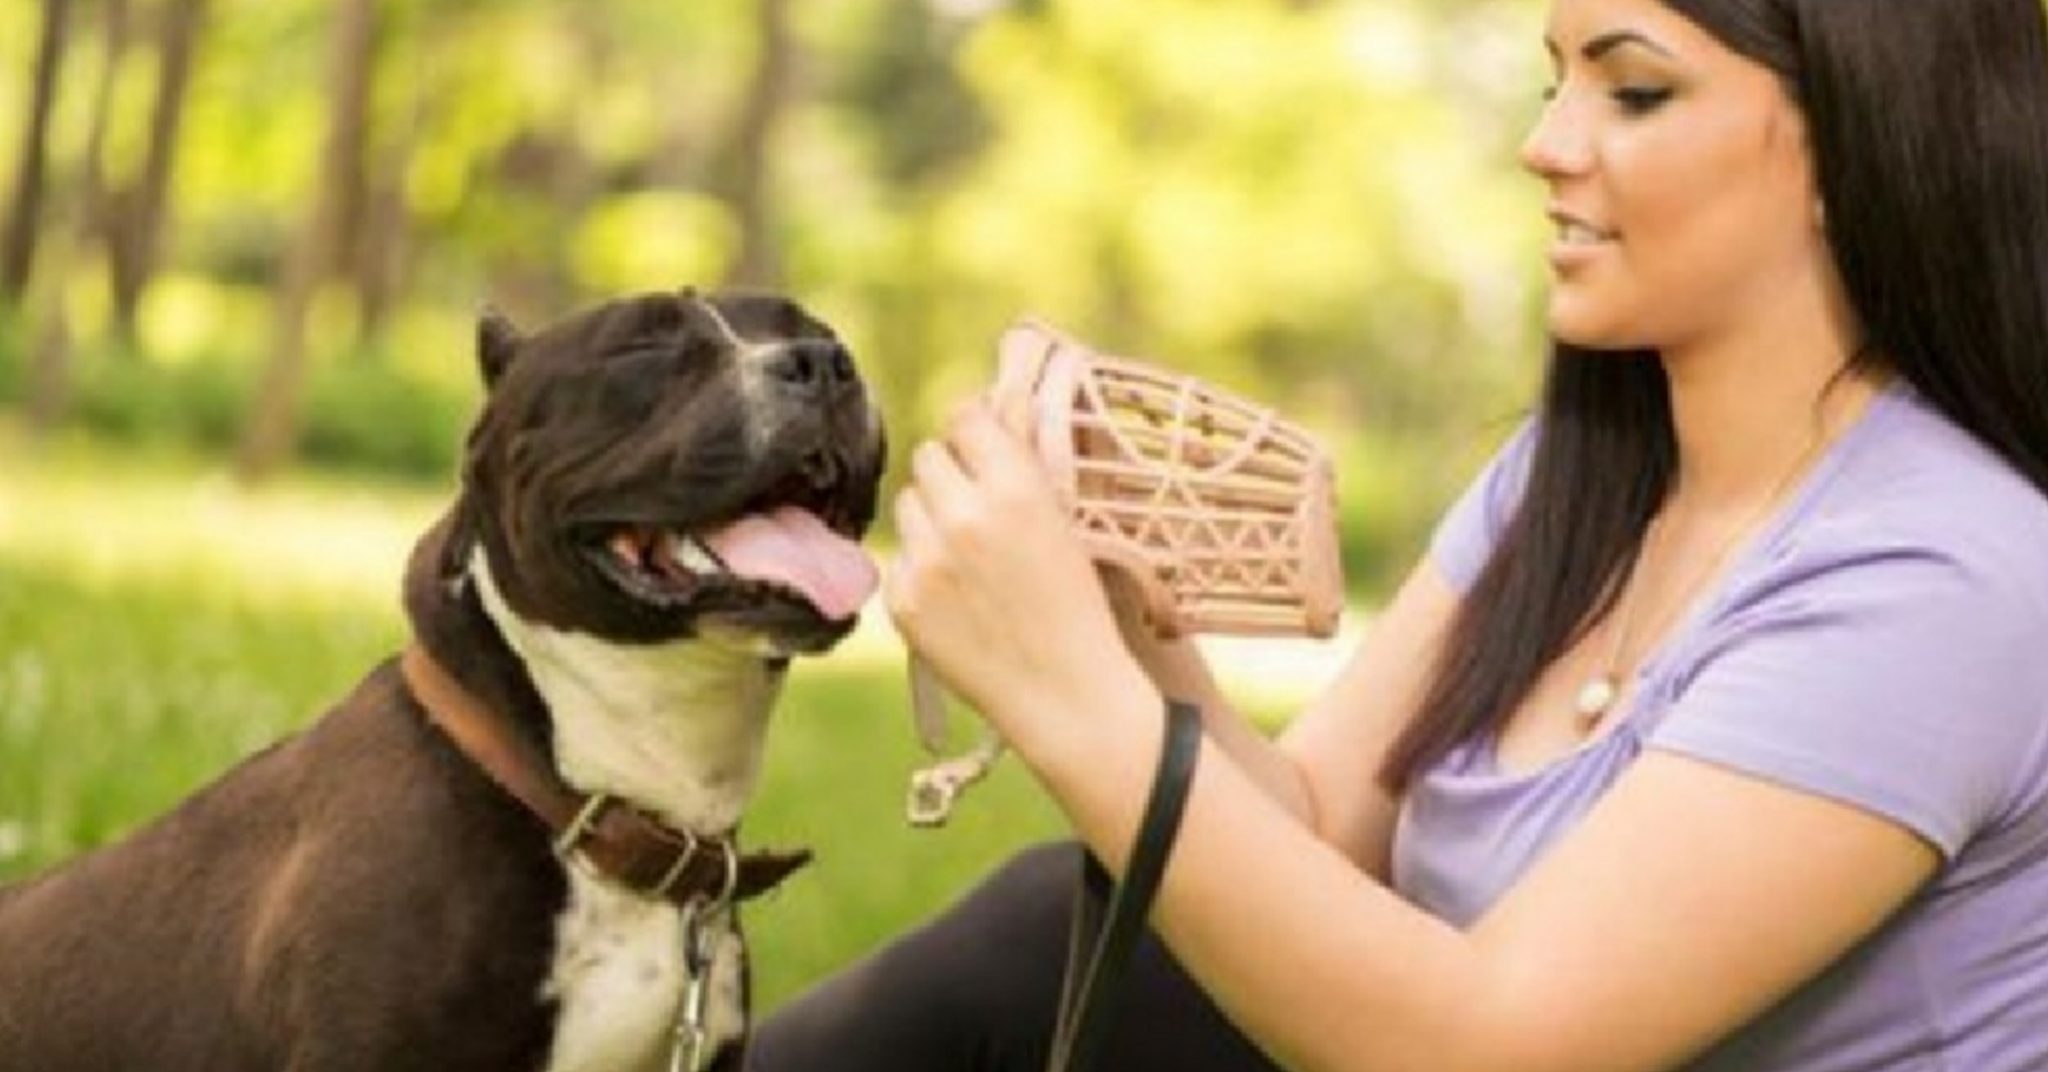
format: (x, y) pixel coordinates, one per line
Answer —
(793, 541)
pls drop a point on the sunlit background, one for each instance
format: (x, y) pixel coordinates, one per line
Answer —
(245, 243)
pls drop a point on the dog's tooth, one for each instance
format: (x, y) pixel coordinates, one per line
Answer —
(668, 555)
(626, 547)
(692, 555)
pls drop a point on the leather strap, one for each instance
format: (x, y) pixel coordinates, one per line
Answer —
(1095, 975)
(622, 842)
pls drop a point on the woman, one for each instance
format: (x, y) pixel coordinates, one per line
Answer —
(1713, 731)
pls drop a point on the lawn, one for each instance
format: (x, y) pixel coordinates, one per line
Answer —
(158, 623)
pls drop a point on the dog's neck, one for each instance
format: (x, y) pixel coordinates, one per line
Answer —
(675, 729)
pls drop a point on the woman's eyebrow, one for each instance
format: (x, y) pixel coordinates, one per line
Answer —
(1608, 42)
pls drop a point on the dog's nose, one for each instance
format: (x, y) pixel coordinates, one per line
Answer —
(812, 369)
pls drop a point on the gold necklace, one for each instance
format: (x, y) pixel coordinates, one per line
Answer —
(1597, 696)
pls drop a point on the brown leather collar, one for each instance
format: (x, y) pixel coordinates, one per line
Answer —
(625, 844)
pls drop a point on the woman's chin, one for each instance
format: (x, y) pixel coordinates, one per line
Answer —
(1578, 328)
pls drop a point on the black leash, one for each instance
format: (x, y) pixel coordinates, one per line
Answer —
(1095, 975)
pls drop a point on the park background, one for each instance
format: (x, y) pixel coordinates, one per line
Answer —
(245, 243)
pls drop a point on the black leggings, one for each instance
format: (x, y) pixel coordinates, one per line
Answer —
(975, 991)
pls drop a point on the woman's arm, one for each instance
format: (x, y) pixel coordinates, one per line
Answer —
(1324, 769)
(1690, 898)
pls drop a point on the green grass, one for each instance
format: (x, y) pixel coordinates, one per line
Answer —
(118, 699)
(157, 623)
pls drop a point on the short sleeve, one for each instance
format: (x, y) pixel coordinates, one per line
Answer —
(1895, 678)
(1465, 537)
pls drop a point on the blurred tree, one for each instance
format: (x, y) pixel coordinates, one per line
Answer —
(71, 220)
(272, 425)
(140, 210)
(750, 153)
(920, 127)
(96, 218)
(377, 220)
(1312, 201)
(923, 119)
(24, 214)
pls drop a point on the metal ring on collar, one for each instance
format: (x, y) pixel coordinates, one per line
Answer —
(732, 875)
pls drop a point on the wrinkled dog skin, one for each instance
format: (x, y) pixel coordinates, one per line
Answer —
(659, 508)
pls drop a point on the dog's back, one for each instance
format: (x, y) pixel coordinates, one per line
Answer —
(326, 866)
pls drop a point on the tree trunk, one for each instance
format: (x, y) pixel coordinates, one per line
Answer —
(271, 430)
(18, 237)
(751, 151)
(380, 256)
(96, 221)
(135, 243)
(378, 265)
(49, 368)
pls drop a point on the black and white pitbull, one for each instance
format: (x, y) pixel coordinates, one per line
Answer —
(509, 849)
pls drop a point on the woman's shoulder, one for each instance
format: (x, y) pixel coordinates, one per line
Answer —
(1918, 488)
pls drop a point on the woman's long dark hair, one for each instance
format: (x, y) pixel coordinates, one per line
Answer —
(1928, 125)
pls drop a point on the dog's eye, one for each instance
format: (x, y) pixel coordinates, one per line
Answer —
(639, 355)
(670, 355)
(630, 381)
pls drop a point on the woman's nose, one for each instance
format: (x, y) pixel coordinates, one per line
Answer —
(1557, 145)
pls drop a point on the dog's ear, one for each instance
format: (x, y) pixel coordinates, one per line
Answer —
(496, 340)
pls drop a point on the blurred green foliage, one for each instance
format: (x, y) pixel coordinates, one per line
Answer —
(359, 415)
(1312, 202)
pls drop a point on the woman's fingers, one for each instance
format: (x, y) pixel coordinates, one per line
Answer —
(913, 526)
(940, 478)
(915, 541)
(993, 453)
(1020, 358)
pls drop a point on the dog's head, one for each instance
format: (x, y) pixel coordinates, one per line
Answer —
(674, 465)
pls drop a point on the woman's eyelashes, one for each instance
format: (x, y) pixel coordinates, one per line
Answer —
(1632, 100)
(1641, 100)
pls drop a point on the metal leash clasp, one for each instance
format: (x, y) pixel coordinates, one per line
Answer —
(690, 1048)
(934, 789)
(692, 1035)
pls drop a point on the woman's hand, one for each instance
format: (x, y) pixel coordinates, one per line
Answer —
(994, 589)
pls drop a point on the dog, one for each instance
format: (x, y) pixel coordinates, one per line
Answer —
(511, 847)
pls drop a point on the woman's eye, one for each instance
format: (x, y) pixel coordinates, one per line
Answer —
(1635, 101)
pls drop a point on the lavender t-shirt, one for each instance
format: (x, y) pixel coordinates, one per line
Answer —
(1884, 642)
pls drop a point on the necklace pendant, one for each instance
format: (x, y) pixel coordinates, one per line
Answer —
(1594, 698)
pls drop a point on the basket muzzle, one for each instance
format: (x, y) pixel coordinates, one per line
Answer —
(1221, 514)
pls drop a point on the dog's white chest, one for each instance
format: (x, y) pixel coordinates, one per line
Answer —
(619, 978)
(675, 730)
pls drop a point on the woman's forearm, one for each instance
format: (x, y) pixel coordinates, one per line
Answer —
(1359, 980)
(1178, 669)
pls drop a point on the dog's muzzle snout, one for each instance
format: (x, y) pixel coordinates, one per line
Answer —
(810, 402)
(809, 371)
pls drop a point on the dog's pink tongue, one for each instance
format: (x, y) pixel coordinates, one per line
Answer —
(790, 545)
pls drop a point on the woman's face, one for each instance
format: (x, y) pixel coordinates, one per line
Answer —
(1679, 180)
